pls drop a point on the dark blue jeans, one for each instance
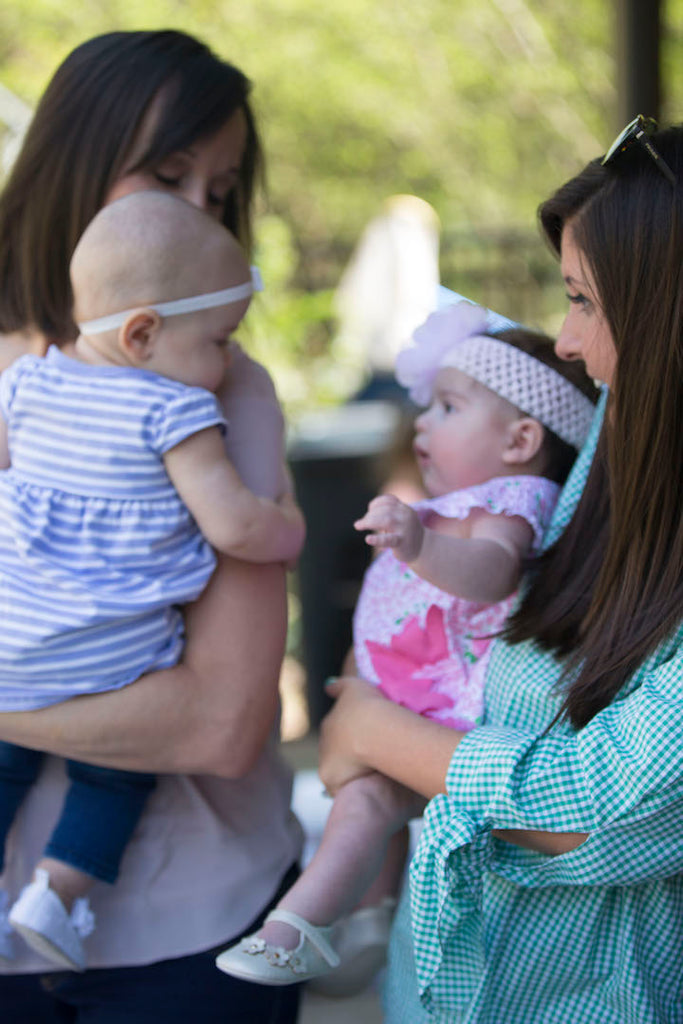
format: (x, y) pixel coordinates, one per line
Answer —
(100, 812)
(187, 990)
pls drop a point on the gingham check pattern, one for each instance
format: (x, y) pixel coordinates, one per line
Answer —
(509, 936)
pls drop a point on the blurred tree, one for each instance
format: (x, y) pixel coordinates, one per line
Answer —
(480, 108)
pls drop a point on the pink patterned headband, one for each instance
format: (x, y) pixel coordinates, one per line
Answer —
(455, 337)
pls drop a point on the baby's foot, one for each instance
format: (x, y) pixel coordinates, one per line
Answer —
(255, 959)
(279, 933)
(42, 920)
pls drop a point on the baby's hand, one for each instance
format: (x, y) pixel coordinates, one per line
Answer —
(393, 525)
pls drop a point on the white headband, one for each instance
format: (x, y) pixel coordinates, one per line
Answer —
(191, 304)
(454, 337)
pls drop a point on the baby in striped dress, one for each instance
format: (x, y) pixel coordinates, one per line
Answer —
(115, 488)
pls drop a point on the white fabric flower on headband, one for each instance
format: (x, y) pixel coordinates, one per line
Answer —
(417, 366)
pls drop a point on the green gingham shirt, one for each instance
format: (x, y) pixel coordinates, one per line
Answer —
(505, 935)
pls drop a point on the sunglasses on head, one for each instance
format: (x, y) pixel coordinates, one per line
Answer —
(638, 131)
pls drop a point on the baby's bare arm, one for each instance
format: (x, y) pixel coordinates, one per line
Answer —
(231, 517)
(478, 559)
(393, 524)
(484, 566)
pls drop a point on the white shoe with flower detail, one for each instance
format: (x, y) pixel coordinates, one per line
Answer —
(253, 959)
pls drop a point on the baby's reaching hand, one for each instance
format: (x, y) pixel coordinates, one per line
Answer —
(393, 524)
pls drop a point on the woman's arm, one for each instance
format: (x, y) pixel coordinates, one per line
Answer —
(211, 714)
(364, 732)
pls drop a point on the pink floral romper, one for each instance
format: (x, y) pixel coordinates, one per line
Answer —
(424, 648)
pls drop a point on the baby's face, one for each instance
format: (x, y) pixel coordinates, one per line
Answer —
(193, 347)
(460, 439)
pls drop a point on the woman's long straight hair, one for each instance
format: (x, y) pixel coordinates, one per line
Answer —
(610, 590)
(80, 141)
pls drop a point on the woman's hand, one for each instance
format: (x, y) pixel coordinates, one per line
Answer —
(364, 731)
(211, 714)
(339, 762)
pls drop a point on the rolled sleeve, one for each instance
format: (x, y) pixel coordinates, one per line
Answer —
(618, 779)
(627, 755)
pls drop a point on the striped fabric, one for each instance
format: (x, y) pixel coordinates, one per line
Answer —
(96, 547)
(509, 936)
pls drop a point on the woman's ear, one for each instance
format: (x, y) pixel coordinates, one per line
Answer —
(138, 335)
(524, 441)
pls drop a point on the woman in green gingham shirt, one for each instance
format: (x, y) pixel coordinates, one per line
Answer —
(546, 886)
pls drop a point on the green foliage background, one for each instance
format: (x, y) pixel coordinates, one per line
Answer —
(481, 107)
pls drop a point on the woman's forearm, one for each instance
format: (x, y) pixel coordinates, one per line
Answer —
(211, 714)
(413, 750)
(364, 731)
(417, 752)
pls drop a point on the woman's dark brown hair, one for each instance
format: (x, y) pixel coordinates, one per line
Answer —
(80, 141)
(610, 590)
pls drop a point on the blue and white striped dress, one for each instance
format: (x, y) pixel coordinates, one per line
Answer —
(96, 548)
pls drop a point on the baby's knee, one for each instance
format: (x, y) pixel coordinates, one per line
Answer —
(368, 796)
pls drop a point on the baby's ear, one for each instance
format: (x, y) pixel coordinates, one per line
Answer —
(138, 334)
(524, 441)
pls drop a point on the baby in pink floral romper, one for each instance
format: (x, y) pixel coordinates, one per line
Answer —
(504, 422)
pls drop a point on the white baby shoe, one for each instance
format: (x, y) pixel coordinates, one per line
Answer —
(45, 925)
(253, 959)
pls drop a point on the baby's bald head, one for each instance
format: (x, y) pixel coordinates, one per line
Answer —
(151, 247)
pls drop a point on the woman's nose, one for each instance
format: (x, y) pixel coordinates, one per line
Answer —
(567, 345)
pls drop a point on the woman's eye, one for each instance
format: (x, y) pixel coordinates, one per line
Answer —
(169, 180)
(578, 299)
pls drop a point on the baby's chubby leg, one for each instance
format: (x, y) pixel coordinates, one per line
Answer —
(365, 814)
(296, 943)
